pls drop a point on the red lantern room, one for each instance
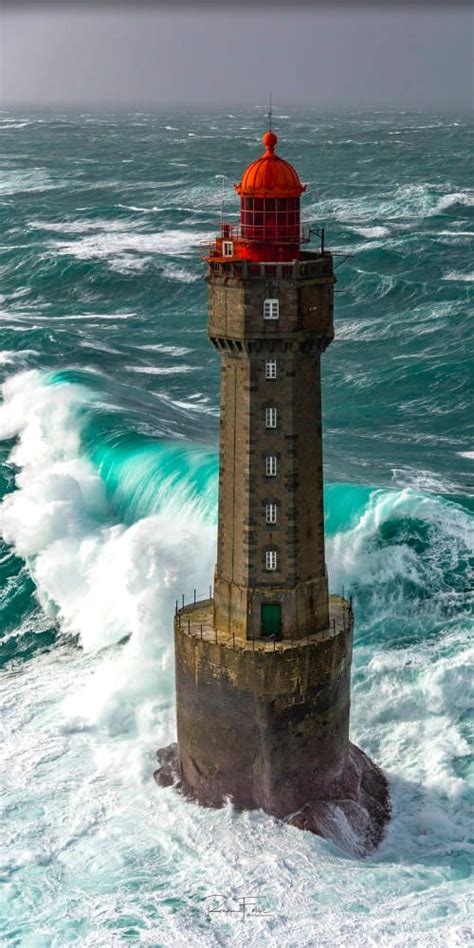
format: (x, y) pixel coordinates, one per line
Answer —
(270, 225)
(270, 193)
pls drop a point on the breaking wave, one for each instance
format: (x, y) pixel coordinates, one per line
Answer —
(406, 201)
(113, 531)
(91, 504)
(109, 509)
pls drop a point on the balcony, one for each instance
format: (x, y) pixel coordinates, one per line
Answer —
(275, 232)
(310, 265)
(198, 622)
(254, 234)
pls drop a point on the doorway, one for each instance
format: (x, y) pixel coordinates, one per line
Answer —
(270, 620)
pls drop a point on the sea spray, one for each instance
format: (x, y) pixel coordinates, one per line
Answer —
(102, 581)
(91, 851)
(83, 496)
(113, 587)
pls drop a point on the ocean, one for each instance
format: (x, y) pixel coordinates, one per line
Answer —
(109, 420)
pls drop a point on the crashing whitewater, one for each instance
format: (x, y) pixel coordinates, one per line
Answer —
(102, 700)
(108, 486)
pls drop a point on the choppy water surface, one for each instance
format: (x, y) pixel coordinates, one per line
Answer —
(109, 424)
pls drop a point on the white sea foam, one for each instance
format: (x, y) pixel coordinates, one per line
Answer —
(81, 728)
(110, 245)
(172, 272)
(419, 321)
(161, 369)
(129, 262)
(187, 405)
(8, 125)
(455, 233)
(27, 181)
(460, 277)
(372, 231)
(82, 226)
(364, 330)
(406, 201)
(143, 210)
(456, 198)
(14, 356)
(169, 350)
(99, 347)
(379, 561)
(77, 317)
(421, 479)
(103, 583)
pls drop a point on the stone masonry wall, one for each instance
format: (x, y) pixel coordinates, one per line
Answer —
(246, 341)
(268, 727)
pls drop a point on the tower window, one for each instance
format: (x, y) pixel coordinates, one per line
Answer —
(270, 369)
(271, 465)
(270, 418)
(227, 248)
(270, 559)
(271, 309)
(271, 513)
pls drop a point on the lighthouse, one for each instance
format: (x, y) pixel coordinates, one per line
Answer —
(263, 666)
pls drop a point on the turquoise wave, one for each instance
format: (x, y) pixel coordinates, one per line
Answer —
(143, 477)
(102, 220)
(404, 555)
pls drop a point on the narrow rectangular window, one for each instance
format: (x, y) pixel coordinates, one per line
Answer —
(271, 513)
(270, 418)
(270, 369)
(271, 309)
(227, 248)
(271, 559)
(271, 465)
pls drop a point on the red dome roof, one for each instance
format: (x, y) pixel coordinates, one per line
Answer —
(270, 176)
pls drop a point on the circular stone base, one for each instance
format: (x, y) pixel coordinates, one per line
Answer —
(352, 812)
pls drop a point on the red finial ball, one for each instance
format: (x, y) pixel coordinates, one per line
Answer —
(269, 140)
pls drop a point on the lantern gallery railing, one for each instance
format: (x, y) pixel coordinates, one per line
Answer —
(261, 233)
(310, 265)
(197, 620)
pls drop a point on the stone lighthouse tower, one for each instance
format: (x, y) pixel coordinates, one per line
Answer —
(263, 668)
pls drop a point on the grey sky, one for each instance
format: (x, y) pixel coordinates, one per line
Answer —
(376, 56)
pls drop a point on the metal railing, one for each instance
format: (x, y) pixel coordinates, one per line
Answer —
(191, 600)
(274, 232)
(256, 234)
(311, 265)
(208, 631)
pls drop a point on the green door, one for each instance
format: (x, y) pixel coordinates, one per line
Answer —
(271, 619)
